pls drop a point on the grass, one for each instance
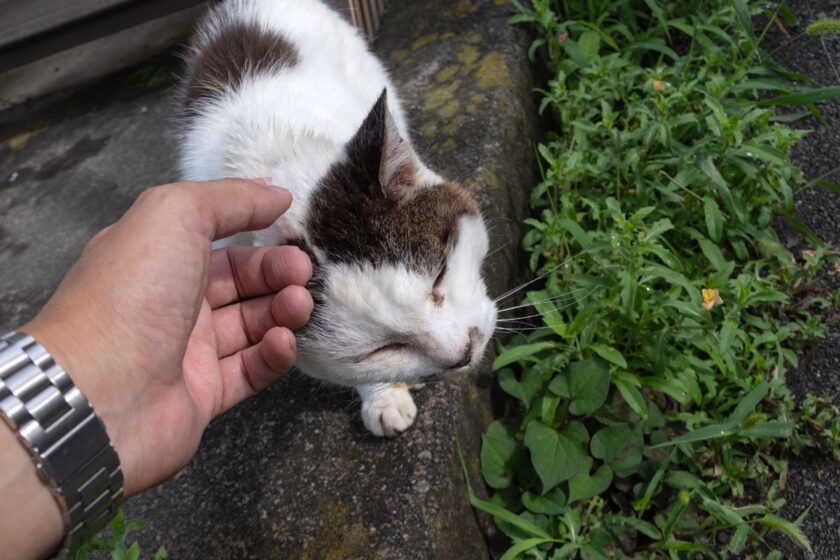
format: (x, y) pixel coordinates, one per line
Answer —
(115, 543)
(653, 419)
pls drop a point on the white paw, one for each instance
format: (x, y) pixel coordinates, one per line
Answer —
(387, 410)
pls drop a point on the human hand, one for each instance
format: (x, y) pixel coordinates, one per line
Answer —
(161, 334)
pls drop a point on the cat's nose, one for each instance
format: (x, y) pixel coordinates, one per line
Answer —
(465, 358)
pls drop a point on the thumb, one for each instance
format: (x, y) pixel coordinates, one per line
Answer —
(228, 206)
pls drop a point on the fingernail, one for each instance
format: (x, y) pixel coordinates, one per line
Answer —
(261, 181)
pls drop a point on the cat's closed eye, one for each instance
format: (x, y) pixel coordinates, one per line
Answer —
(382, 350)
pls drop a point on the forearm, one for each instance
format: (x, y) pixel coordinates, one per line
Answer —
(30, 521)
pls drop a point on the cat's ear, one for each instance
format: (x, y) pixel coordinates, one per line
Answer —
(387, 157)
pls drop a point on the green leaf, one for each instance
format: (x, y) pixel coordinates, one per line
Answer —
(640, 525)
(792, 531)
(583, 239)
(497, 511)
(501, 454)
(631, 396)
(727, 335)
(583, 486)
(683, 480)
(554, 456)
(609, 353)
(710, 502)
(804, 97)
(620, 447)
(133, 552)
(615, 210)
(523, 389)
(584, 384)
(770, 429)
(574, 52)
(590, 44)
(658, 46)
(523, 545)
(748, 403)
(516, 353)
(713, 254)
(770, 154)
(707, 432)
(590, 552)
(658, 228)
(714, 219)
(806, 231)
(746, 20)
(551, 503)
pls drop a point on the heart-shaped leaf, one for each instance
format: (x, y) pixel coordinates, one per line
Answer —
(551, 503)
(584, 384)
(556, 456)
(523, 389)
(620, 447)
(501, 455)
(582, 486)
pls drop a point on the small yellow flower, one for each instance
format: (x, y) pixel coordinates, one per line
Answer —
(657, 86)
(710, 299)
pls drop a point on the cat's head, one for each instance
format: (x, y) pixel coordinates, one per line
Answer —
(397, 254)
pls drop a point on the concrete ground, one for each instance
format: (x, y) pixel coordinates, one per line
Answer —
(292, 473)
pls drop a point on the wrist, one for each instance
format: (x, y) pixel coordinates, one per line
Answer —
(31, 525)
(74, 350)
(66, 441)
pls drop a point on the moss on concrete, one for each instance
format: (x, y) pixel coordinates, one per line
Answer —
(342, 537)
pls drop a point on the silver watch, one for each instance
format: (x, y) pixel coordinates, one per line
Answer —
(67, 441)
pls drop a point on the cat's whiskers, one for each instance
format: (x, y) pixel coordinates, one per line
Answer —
(569, 297)
(499, 248)
(524, 285)
(520, 325)
(561, 297)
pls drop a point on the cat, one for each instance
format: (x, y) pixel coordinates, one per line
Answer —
(287, 89)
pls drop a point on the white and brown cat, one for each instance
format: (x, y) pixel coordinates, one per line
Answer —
(287, 89)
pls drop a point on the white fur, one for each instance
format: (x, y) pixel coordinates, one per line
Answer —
(290, 126)
(369, 307)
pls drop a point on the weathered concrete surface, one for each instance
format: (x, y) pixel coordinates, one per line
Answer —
(292, 473)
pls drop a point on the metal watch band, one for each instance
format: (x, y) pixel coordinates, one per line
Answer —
(67, 441)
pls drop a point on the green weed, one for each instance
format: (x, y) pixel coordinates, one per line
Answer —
(116, 543)
(654, 417)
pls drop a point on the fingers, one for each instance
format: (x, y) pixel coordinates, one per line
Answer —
(254, 368)
(245, 272)
(216, 209)
(242, 324)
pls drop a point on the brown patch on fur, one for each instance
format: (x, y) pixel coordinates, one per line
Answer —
(221, 63)
(354, 218)
(364, 228)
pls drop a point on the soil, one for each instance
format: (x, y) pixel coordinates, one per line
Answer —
(814, 478)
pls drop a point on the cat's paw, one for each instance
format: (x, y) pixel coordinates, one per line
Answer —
(387, 410)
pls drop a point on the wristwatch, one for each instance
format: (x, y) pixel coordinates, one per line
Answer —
(68, 443)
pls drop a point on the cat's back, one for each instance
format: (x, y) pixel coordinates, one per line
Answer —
(271, 82)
